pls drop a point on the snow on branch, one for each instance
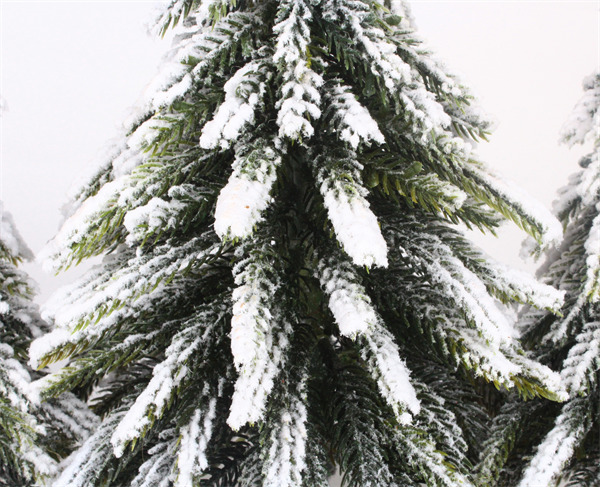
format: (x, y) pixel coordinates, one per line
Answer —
(353, 121)
(420, 451)
(402, 82)
(389, 370)
(247, 194)
(92, 457)
(506, 366)
(166, 378)
(583, 271)
(584, 123)
(197, 48)
(523, 287)
(402, 9)
(357, 319)
(464, 315)
(157, 471)
(591, 286)
(243, 94)
(348, 301)
(300, 97)
(171, 14)
(583, 187)
(191, 458)
(559, 445)
(70, 414)
(154, 215)
(57, 253)
(520, 207)
(502, 281)
(286, 459)
(15, 381)
(467, 291)
(380, 52)
(424, 251)
(17, 399)
(100, 297)
(197, 45)
(355, 225)
(259, 334)
(582, 362)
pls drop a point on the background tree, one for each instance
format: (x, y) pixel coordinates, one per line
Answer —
(563, 438)
(285, 283)
(33, 436)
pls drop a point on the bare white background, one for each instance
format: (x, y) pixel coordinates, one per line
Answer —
(70, 69)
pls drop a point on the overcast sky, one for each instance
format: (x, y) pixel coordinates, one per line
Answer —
(70, 70)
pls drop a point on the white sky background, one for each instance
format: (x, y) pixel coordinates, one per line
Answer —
(70, 70)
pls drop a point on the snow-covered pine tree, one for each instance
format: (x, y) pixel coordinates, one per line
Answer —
(33, 436)
(286, 285)
(563, 439)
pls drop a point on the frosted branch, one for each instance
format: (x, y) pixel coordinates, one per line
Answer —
(286, 460)
(559, 445)
(247, 194)
(259, 336)
(357, 319)
(300, 97)
(355, 225)
(243, 94)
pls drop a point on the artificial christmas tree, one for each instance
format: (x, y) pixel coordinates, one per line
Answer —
(33, 436)
(563, 439)
(285, 284)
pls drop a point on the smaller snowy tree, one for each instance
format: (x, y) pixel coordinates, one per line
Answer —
(563, 438)
(33, 436)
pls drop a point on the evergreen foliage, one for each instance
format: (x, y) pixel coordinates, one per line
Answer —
(285, 285)
(540, 443)
(33, 436)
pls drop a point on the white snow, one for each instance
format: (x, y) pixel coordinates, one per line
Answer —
(350, 306)
(243, 93)
(259, 339)
(46, 344)
(355, 225)
(191, 459)
(391, 373)
(157, 471)
(582, 360)
(382, 53)
(355, 121)
(90, 457)
(557, 448)
(300, 95)
(166, 378)
(58, 251)
(357, 228)
(286, 460)
(240, 205)
(399, 78)
(356, 318)
(146, 219)
(523, 286)
(247, 194)
(591, 288)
